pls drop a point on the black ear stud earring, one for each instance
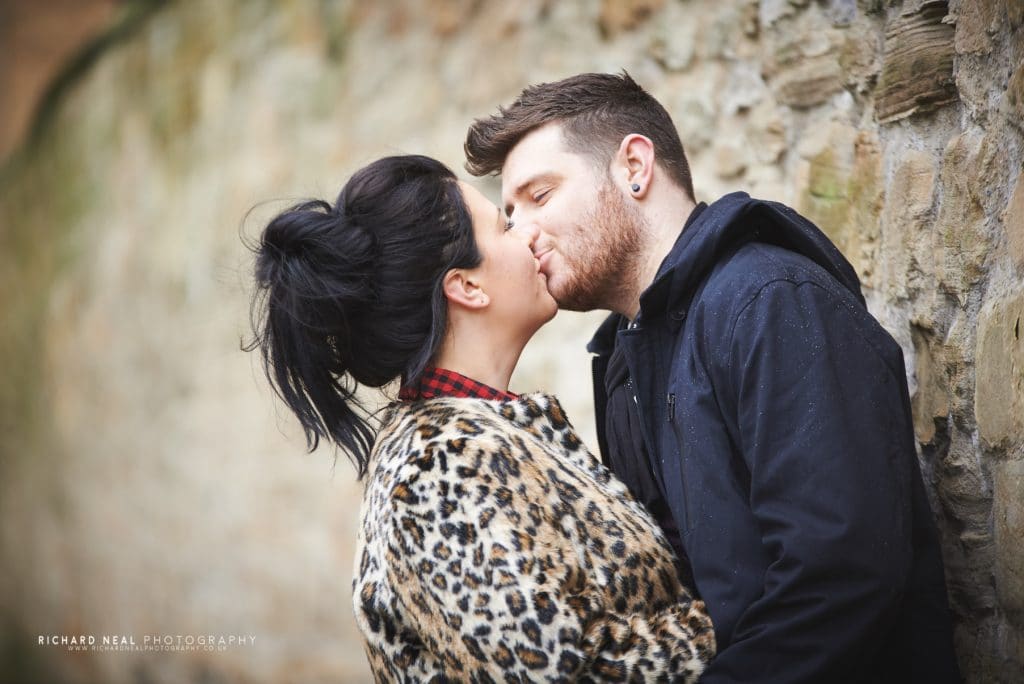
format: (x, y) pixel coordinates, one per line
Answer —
(635, 187)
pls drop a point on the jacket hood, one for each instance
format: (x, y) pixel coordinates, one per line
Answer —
(728, 223)
(723, 226)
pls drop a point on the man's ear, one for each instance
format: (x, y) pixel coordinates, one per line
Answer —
(463, 289)
(633, 165)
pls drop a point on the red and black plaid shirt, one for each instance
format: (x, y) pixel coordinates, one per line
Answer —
(441, 382)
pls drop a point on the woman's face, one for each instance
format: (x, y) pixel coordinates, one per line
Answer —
(509, 274)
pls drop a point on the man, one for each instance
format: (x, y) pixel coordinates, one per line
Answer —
(743, 391)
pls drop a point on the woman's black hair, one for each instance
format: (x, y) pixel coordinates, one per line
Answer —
(352, 293)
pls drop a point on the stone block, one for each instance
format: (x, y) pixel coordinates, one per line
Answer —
(767, 132)
(749, 19)
(975, 22)
(1012, 105)
(906, 243)
(914, 185)
(999, 393)
(958, 352)
(1008, 528)
(808, 83)
(860, 56)
(966, 502)
(672, 45)
(840, 189)
(730, 159)
(962, 240)
(624, 15)
(823, 175)
(842, 12)
(1015, 12)
(802, 65)
(448, 16)
(743, 88)
(696, 122)
(770, 11)
(873, 6)
(866, 195)
(994, 164)
(1013, 224)
(931, 398)
(724, 33)
(917, 71)
(944, 380)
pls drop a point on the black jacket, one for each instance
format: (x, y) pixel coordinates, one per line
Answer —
(774, 421)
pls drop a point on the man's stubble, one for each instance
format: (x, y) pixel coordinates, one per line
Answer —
(608, 247)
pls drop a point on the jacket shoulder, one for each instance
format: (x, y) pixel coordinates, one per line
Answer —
(759, 270)
(737, 280)
(755, 265)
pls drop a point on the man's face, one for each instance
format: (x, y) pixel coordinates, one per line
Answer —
(588, 233)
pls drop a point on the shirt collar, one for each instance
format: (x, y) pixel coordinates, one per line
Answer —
(441, 382)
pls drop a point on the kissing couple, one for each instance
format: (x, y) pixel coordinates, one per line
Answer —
(756, 512)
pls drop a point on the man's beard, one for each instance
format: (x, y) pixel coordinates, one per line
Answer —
(608, 246)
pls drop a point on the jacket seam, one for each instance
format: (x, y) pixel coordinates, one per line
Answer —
(797, 283)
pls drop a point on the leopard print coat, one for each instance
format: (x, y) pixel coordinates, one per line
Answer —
(494, 547)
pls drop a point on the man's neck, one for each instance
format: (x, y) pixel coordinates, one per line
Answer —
(664, 224)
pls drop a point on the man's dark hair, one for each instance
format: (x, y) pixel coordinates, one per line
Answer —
(596, 112)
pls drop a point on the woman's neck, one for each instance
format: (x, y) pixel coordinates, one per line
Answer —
(480, 353)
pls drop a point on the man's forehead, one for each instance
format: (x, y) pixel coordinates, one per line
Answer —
(541, 152)
(540, 142)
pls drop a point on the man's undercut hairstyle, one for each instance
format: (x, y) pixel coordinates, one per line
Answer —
(596, 111)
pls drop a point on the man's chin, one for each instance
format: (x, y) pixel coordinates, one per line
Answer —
(571, 296)
(574, 302)
(560, 293)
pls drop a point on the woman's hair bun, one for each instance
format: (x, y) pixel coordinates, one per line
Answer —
(312, 240)
(352, 292)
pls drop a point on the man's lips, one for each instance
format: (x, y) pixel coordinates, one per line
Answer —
(542, 259)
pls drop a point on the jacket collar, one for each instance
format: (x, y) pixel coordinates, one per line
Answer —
(537, 413)
(603, 341)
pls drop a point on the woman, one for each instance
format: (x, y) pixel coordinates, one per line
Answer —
(492, 545)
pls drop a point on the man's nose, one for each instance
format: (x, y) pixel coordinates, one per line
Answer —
(532, 231)
(529, 230)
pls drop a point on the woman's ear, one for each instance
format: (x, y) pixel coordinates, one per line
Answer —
(462, 289)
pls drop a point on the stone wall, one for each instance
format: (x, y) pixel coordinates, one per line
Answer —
(149, 485)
